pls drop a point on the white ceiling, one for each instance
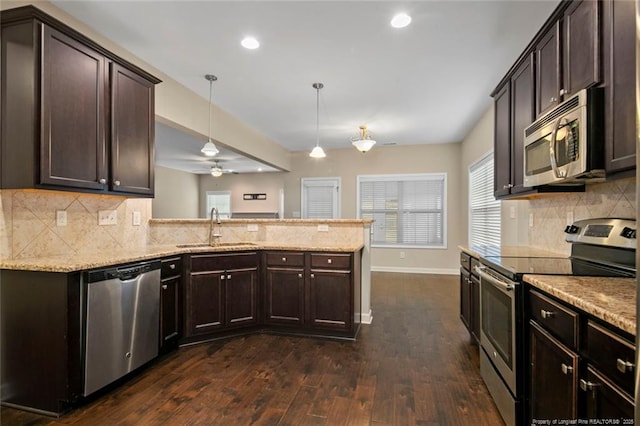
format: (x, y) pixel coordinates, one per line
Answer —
(426, 83)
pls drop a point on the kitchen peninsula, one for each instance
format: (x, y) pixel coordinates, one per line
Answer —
(308, 277)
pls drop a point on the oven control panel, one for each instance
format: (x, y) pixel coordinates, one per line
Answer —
(606, 232)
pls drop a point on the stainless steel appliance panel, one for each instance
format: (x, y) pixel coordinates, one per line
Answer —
(122, 326)
(506, 403)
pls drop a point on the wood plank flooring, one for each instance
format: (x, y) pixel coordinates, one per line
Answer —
(413, 365)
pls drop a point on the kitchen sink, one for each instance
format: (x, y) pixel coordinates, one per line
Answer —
(225, 244)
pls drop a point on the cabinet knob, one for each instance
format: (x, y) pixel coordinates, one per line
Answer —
(553, 99)
(164, 286)
(547, 314)
(563, 92)
(102, 181)
(587, 386)
(313, 275)
(624, 366)
(172, 266)
(223, 276)
(329, 261)
(228, 277)
(284, 259)
(507, 186)
(299, 275)
(116, 183)
(566, 369)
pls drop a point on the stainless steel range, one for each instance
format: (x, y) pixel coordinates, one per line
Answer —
(599, 247)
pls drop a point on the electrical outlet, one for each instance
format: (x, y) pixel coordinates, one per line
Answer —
(323, 228)
(61, 218)
(252, 227)
(295, 214)
(530, 220)
(135, 218)
(107, 217)
(401, 255)
(569, 217)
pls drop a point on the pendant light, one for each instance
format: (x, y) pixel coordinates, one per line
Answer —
(317, 152)
(363, 143)
(209, 149)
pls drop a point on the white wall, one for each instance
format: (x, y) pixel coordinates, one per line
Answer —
(176, 194)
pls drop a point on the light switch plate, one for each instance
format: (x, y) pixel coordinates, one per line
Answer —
(323, 228)
(61, 218)
(512, 212)
(107, 217)
(135, 218)
(530, 220)
(252, 227)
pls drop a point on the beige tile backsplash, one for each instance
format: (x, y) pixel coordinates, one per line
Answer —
(28, 223)
(616, 199)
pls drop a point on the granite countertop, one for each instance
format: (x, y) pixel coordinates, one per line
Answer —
(79, 262)
(612, 300)
(509, 251)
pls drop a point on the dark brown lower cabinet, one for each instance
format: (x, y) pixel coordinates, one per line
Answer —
(465, 298)
(241, 296)
(170, 287)
(205, 302)
(330, 296)
(284, 296)
(553, 377)
(604, 400)
(475, 308)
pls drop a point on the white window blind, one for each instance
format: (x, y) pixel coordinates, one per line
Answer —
(484, 210)
(320, 198)
(220, 200)
(408, 210)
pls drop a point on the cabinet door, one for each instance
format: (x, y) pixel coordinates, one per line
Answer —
(169, 310)
(241, 296)
(604, 400)
(132, 132)
(330, 299)
(502, 142)
(552, 377)
(205, 303)
(475, 308)
(465, 298)
(72, 149)
(581, 46)
(620, 110)
(284, 298)
(522, 109)
(548, 71)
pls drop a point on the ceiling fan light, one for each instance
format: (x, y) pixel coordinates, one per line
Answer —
(216, 171)
(209, 149)
(363, 145)
(317, 152)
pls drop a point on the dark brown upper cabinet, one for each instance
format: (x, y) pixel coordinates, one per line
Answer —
(81, 120)
(568, 54)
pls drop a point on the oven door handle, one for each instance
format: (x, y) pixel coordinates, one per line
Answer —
(559, 174)
(500, 283)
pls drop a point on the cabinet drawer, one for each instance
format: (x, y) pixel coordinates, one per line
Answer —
(560, 321)
(171, 267)
(223, 262)
(331, 261)
(465, 261)
(285, 259)
(474, 263)
(611, 354)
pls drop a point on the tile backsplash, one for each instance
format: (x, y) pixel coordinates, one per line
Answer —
(28, 223)
(616, 199)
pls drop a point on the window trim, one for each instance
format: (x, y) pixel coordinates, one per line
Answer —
(409, 177)
(336, 179)
(482, 158)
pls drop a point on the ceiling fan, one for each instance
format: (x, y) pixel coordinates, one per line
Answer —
(214, 169)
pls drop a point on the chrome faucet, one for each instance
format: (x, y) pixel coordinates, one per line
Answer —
(215, 237)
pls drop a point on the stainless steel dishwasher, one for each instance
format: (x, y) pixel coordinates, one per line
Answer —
(122, 321)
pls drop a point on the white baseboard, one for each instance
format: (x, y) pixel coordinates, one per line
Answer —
(403, 270)
(367, 317)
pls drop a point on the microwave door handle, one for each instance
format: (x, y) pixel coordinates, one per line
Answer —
(552, 149)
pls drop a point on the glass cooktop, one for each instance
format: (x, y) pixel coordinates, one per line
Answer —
(515, 267)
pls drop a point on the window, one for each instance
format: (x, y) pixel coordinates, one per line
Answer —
(408, 210)
(320, 198)
(221, 200)
(484, 210)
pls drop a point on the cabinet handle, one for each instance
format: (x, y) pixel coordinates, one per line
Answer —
(172, 266)
(284, 259)
(299, 275)
(547, 314)
(102, 181)
(624, 366)
(566, 369)
(313, 275)
(116, 183)
(164, 286)
(587, 386)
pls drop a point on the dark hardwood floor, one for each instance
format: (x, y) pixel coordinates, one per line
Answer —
(413, 365)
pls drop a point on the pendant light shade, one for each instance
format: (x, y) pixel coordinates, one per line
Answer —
(317, 152)
(363, 142)
(209, 149)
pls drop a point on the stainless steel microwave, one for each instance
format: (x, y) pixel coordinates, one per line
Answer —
(566, 145)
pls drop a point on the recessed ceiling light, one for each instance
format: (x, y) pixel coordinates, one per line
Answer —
(259, 169)
(401, 20)
(250, 43)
